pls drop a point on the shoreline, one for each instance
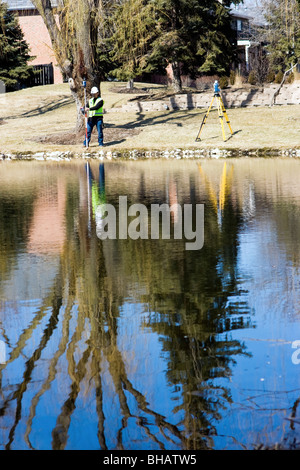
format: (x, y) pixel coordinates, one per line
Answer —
(141, 154)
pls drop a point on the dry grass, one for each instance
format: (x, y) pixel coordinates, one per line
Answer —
(29, 115)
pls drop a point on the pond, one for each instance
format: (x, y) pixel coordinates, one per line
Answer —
(113, 338)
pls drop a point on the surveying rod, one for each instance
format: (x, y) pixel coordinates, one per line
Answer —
(85, 113)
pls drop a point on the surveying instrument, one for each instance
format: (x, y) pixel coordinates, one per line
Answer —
(221, 111)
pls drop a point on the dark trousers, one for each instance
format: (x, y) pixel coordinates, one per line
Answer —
(92, 122)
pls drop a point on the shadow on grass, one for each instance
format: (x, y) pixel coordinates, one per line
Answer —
(45, 108)
(115, 134)
(203, 138)
(175, 117)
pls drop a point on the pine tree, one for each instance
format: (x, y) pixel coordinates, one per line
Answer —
(14, 51)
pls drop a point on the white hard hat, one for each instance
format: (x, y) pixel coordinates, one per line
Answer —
(94, 90)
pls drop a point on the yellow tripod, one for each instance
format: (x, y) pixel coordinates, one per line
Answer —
(221, 111)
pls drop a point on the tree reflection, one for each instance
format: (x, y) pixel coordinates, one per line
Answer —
(187, 297)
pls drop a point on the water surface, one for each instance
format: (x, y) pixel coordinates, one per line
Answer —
(142, 344)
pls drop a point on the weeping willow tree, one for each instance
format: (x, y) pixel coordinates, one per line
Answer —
(134, 25)
(76, 30)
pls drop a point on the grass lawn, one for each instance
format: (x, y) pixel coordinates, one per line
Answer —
(29, 116)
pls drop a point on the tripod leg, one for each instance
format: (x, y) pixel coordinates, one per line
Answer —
(204, 120)
(225, 114)
(220, 111)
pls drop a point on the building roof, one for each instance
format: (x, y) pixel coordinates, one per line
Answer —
(240, 14)
(249, 9)
(24, 4)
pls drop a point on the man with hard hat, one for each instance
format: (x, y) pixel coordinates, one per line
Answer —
(95, 106)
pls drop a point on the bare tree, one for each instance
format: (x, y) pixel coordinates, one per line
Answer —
(282, 33)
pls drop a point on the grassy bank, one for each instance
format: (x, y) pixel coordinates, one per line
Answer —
(28, 118)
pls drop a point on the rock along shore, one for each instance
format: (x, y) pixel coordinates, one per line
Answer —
(153, 154)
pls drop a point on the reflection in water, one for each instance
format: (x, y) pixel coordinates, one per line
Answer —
(141, 344)
(47, 230)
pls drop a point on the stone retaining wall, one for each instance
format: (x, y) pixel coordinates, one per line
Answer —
(232, 97)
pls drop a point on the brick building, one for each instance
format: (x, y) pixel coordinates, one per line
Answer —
(37, 37)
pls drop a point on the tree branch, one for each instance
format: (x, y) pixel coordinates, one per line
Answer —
(276, 93)
(45, 9)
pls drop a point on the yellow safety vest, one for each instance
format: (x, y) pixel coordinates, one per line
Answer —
(97, 112)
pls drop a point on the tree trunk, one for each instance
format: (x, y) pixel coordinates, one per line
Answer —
(130, 84)
(76, 54)
(276, 93)
(176, 78)
(77, 95)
